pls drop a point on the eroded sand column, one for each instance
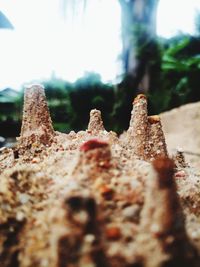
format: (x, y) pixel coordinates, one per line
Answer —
(145, 136)
(137, 132)
(36, 123)
(95, 124)
(156, 145)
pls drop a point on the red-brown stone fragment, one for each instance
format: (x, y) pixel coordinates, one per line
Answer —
(92, 144)
(138, 97)
(113, 233)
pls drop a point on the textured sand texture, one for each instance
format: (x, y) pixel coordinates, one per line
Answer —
(95, 199)
(182, 130)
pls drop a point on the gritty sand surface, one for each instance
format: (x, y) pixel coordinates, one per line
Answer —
(182, 130)
(95, 199)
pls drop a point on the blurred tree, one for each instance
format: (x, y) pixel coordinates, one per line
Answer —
(179, 73)
(59, 102)
(138, 37)
(140, 55)
(197, 22)
(138, 24)
(89, 93)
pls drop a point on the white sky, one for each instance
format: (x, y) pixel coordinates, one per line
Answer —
(44, 43)
(176, 15)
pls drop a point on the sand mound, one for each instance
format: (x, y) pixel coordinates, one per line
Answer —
(95, 199)
(182, 130)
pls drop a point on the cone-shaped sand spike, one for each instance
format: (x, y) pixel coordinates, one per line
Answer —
(145, 134)
(82, 211)
(95, 124)
(156, 146)
(36, 124)
(94, 159)
(179, 159)
(162, 221)
(137, 132)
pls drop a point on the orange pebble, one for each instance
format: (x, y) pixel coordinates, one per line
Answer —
(35, 160)
(113, 233)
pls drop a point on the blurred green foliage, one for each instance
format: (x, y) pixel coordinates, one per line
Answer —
(174, 80)
(179, 74)
(70, 103)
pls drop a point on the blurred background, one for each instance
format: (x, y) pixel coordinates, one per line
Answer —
(97, 54)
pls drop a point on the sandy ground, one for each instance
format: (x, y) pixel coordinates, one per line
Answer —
(93, 199)
(182, 130)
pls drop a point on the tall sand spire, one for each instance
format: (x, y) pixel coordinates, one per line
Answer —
(145, 136)
(137, 132)
(36, 123)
